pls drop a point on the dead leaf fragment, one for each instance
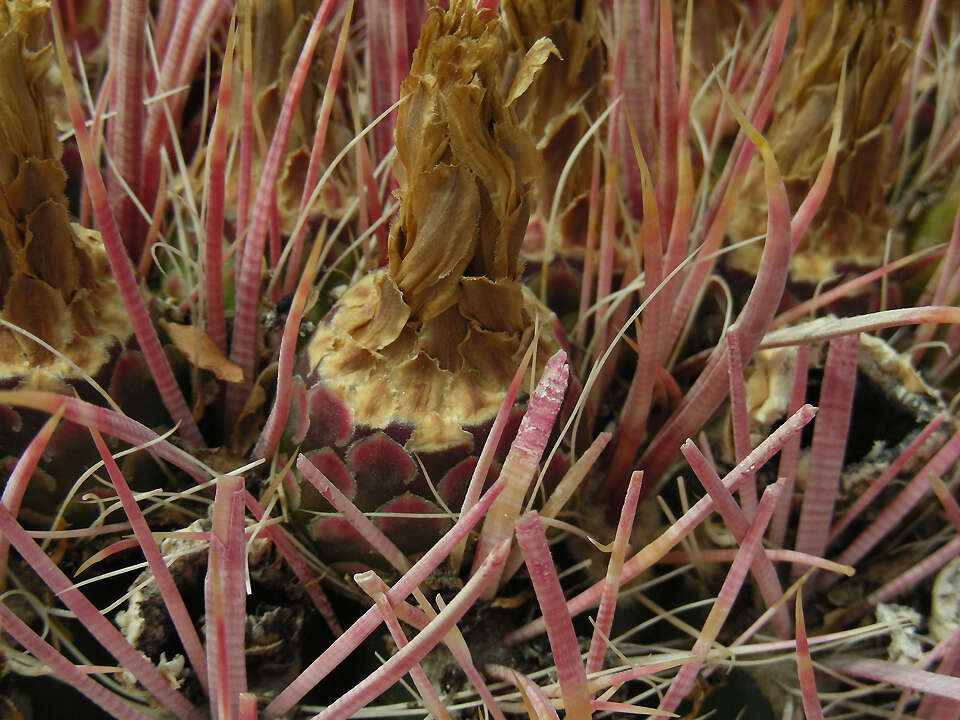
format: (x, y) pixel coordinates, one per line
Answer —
(197, 347)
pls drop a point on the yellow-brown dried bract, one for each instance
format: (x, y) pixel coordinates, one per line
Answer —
(85, 329)
(55, 281)
(768, 381)
(198, 348)
(893, 371)
(372, 312)
(559, 57)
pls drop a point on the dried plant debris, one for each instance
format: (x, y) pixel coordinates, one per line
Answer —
(892, 403)
(905, 645)
(850, 229)
(277, 34)
(945, 602)
(55, 282)
(559, 61)
(274, 624)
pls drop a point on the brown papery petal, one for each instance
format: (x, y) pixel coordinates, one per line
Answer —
(50, 254)
(492, 354)
(424, 384)
(445, 205)
(529, 67)
(495, 305)
(38, 180)
(440, 336)
(21, 126)
(38, 308)
(373, 311)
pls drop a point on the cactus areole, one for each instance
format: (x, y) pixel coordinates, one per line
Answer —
(415, 358)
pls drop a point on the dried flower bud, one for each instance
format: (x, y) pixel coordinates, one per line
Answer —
(433, 340)
(55, 281)
(850, 229)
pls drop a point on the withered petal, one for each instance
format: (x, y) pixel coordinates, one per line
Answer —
(38, 308)
(495, 305)
(531, 64)
(447, 205)
(373, 311)
(50, 251)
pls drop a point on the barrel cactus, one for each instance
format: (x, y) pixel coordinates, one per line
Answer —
(477, 342)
